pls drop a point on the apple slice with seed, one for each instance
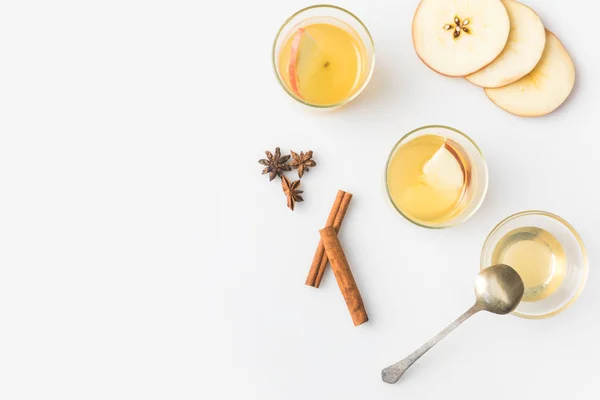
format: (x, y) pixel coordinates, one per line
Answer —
(459, 37)
(544, 89)
(303, 50)
(526, 42)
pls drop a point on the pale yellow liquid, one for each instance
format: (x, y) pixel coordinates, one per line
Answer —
(427, 179)
(537, 256)
(333, 64)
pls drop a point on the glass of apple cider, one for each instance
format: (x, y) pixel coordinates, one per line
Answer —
(548, 254)
(436, 177)
(323, 56)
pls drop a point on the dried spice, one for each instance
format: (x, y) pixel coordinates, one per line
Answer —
(335, 219)
(275, 164)
(302, 162)
(291, 191)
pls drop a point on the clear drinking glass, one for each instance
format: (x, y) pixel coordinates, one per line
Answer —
(332, 15)
(576, 260)
(478, 182)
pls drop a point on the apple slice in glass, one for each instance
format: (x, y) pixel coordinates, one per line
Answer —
(304, 59)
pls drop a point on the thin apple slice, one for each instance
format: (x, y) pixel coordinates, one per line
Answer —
(303, 50)
(523, 51)
(294, 60)
(459, 37)
(544, 89)
(444, 170)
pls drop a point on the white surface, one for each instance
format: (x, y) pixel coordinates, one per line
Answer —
(143, 256)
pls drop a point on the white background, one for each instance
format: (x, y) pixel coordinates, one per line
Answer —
(144, 256)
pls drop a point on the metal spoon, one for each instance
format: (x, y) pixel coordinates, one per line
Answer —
(498, 289)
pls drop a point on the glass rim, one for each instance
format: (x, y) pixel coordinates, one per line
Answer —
(575, 234)
(293, 95)
(459, 220)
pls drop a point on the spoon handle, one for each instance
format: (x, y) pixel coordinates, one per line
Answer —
(392, 373)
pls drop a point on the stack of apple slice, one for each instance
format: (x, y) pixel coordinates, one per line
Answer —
(499, 45)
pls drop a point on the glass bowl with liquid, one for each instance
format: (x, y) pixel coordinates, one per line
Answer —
(323, 56)
(549, 255)
(436, 177)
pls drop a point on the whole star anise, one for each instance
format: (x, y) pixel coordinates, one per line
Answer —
(302, 162)
(291, 191)
(275, 164)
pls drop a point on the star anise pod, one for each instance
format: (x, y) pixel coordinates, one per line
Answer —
(275, 164)
(291, 191)
(302, 162)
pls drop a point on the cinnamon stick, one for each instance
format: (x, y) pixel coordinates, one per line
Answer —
(335, 218)
(343, 275)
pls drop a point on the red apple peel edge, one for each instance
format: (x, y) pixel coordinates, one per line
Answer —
(292, 70)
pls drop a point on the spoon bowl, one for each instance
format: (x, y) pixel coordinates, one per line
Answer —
(499, 289)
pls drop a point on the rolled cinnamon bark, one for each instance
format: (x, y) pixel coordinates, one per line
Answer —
(335, 218)
(343, 275)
